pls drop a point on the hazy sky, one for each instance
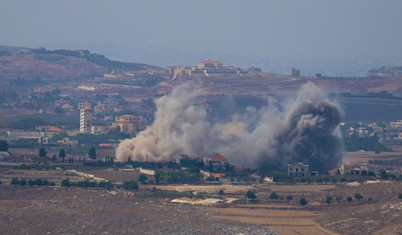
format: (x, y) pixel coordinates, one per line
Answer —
(244, 28)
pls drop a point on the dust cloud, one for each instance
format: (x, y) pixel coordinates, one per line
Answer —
(302, 129)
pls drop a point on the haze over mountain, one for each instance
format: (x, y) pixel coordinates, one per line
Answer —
(339, 38)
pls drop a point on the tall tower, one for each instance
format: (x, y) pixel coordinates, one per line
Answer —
(85, 120)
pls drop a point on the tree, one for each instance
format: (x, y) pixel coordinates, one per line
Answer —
(250, 194)
(130, 185)
(14, 181)
(289, 197)
(92, 153)
(62, 154)
(3, 145)
(42, 152)
(23, 182)
(273, 195)
(142, 178)
(303, 201)
(349, 198)
(358, 196)
(65, 183)
(400, 195)
(329, 199)
(221, 192)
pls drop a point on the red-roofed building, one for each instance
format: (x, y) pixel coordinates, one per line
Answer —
(334, 171)
(217, 176)
(216, 162)
(346, 168)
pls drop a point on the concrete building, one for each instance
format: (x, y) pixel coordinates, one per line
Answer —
(209, 64)
(295, 72)
(298, 169)
(85, 120)
(346, 168)
(128, 123)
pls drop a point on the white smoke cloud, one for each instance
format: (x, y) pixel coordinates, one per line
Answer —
(303, 129)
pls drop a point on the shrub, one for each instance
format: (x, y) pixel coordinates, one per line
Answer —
(343, 179)
(210, 178)
(349, 198)
(52, 183)
(358, 196)
(84, 183)
(31, 182)
(130, 185)
(273, 195)
(38, 182)
(400, 196)
(65, 183)
(22, 182)
(142, 178)
(329, 199)
(0, 182)
(221, 192)
(250, 194)
(289, 197)
(303, 201)
(14, 181)
(106, 184)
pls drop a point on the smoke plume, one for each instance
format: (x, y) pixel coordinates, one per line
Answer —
(303, 129)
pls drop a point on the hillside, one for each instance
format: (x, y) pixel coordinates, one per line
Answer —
(40, 81)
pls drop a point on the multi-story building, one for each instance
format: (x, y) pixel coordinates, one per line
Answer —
(295, 72)
(128, 123)
(85, 120)
(298, 169)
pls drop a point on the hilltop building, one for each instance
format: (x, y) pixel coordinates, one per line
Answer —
(85, 120)
(211, 68)
(209, 64)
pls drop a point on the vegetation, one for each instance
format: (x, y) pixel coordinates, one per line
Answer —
(14, 181)
(92, 153)
(274, 195)
(65, 183)
(302, 201)
(28, 123)
(62, 154)
(221, 192)
(142, 178)
(289, 197)
(358, 196)
(130, 185)
(329, 199)
(177, 177)
(42, 152)
(400, 196)
(356, 143)
(251, 195)
(349, 198)
(3, 145)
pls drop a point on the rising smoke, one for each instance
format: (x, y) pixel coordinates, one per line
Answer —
(304, 129)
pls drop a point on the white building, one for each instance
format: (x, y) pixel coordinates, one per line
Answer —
(85, 120)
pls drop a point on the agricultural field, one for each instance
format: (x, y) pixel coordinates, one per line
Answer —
(193, 209)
